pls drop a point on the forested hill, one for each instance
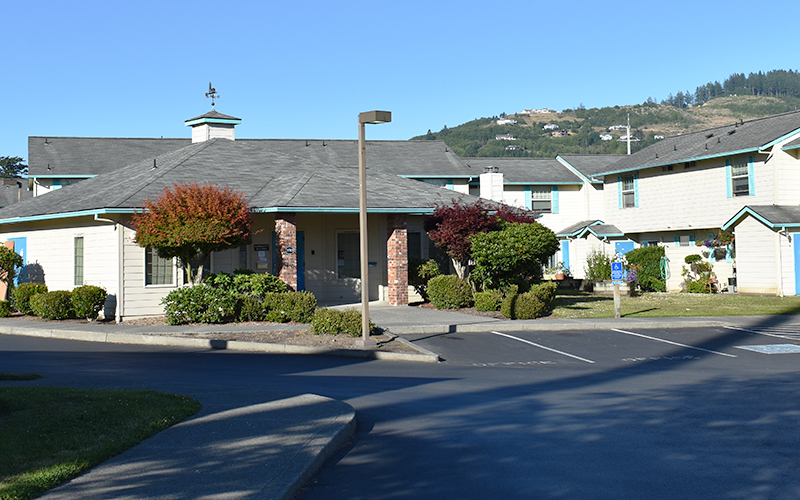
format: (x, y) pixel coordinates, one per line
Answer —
(601, 131)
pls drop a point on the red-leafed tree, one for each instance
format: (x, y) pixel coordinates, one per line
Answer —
(191, 221)
(450, 226)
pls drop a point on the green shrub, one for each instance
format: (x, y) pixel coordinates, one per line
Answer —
(5, 309)
(545, 292)
(334, 322)
(53, 305)
(449, 292)
(9, 262)
(219, 280)
(701, 285)
(420, 273)
(296, 306)
(250, 308)
(598, 266)
(509, 302)
(88, 300)
(259, 284)
(199, 304)
(22, 293)
(489, 300)
(648, 262)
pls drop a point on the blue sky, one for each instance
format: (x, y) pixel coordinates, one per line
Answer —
(305, 69)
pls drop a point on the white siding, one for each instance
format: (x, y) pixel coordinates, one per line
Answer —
(139, 300)
(757, 255)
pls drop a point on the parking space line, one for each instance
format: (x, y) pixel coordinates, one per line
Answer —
(543, 347)
(759, 332)
(674, 343)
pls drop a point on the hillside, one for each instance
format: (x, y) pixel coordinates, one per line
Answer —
(586, 131)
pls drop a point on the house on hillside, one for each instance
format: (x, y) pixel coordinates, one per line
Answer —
(304, 194)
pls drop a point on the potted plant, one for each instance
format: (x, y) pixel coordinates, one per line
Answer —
(561, 271)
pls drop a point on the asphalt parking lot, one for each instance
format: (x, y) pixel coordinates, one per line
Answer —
(614, 347)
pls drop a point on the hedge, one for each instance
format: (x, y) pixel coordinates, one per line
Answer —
(334, 322)
(449, 292)
(22, 293)
(53, 305)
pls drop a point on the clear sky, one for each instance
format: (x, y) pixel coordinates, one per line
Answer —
(305, 69)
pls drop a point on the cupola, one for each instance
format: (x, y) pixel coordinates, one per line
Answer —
(212, 125)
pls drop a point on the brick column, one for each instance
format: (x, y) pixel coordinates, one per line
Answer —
(286, 248)
(397, 259)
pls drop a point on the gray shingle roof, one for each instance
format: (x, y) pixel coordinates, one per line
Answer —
(590, 165)
(740, 137)
(596, 227)
(214, 114)
(795, 144)
(88, 156)
(271, 181)
(547, 171)
(775, 216)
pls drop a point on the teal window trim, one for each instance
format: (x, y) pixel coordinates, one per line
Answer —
(554, 201)
(751, 177)
(691, 239)
(450, 185)
(729, 188)
(528, 201)
(677, 240)
(619, 192)
(56, 184)
(636, 189)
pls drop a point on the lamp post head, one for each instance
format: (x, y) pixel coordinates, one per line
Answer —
(375, 117)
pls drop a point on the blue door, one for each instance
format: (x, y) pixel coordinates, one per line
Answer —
(623, 247)
(565, 253)
(796, 245)
(21, 248)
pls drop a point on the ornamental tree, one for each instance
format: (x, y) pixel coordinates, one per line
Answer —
(513, 255)
(191, 221)
(450, 226)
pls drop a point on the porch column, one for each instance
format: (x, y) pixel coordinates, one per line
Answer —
(397, 259)
(286, 248)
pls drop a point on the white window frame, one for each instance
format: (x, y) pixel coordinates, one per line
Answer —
(153, 252)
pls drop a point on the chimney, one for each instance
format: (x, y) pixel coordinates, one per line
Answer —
(212, 125)
(491, 184)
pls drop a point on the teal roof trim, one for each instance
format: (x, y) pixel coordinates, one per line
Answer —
(580, 231)
(438, 176)
(66, 215)
(225, 121)
(699, 158)
(34, 177)
(576, 171)
(317, 210)
(780, 139)
(748, 211)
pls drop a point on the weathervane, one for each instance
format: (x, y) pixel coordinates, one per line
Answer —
(212, 93)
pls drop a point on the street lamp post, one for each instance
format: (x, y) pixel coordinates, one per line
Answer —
(363, 119)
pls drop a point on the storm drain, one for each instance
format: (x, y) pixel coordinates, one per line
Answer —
(772, 349)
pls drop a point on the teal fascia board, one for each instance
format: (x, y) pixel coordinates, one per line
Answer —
(601, 236)
(551, 183)
(225, 121)
(66, 215)
(580, 232)
(790, 148)
(748, 211)
(576, 171)
(779, 139)
(684, 160)
(34, 177)
(437, 176)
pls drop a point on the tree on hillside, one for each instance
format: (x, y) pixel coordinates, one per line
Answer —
(191, 221)
(12, 166)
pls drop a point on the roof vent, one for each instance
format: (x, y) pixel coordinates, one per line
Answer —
(731, 132)
(490, 170)
(709, 136)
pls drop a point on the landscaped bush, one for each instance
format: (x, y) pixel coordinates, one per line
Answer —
(22, 293)
(295, 306)
(259, 284)
(449, 292)
(527, 305)
(88, 300)
(219, 280)
(5, 309)
(489, 300)
(250, 309)
(420, 272)
(199, 304)
(598, 266)
(509, 301)
(334, 321)
(53, 305)
(648, 267)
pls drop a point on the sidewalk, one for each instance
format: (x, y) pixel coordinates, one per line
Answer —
(270, 450)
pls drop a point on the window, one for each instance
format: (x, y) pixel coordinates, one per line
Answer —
(414, 245)
(348, 255)
(739, 178)
(78, 261)
(628, 191)
(158, 271)
(541, 199)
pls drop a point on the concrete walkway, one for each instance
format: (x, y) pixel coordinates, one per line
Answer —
(270, 450)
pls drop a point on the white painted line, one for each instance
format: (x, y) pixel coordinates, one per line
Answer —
(758, 333)
(543, 347)
(674, 343)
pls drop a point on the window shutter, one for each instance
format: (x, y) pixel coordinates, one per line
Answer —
(691, 239)
(677, 240)
(619, 191)
(450, 184)
(728, 178)
(751, 175)
(636, 189)
(554, 200)
(528, 201)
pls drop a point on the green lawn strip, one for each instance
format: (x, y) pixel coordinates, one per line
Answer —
(19, 376)
(49, 435)
(571, 304)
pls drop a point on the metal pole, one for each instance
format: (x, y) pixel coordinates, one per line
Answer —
(362, 221)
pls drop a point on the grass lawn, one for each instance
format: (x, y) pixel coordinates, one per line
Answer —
(574, 304)
(49, 434)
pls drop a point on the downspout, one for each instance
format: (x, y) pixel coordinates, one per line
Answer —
(119, 242)
(779, 260)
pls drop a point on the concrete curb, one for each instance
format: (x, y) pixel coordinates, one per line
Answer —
(424, 356)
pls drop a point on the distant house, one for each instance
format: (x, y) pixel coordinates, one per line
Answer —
(550, 126)
(506, 121)
(537, 111)
(505, 137)
(606, 137)
(657, 137)
(513, 147)
(617, 127)
(560, 133)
